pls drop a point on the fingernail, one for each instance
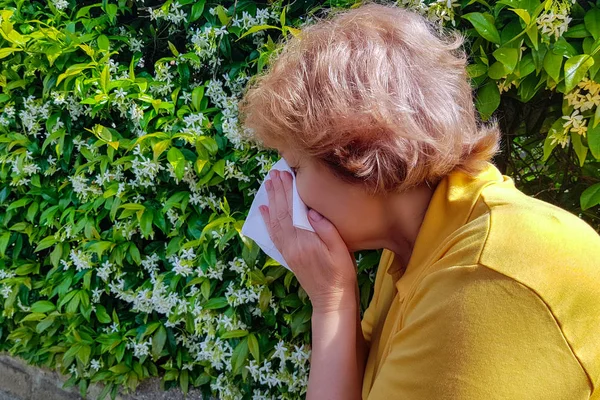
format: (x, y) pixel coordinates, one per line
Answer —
(315, 216)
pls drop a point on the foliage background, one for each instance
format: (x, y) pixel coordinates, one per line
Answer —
(124, 181)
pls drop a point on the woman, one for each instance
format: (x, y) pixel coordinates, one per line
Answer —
(482, 292)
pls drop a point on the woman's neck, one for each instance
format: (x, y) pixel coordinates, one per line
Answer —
(404, 216)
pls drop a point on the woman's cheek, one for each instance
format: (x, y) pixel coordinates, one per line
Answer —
(309, 196)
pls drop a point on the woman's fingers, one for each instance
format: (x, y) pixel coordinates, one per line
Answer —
(283, 210)
(288, 185)
(326, 231)
(281, 226)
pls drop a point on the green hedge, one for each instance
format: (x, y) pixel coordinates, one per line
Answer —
(124, 181)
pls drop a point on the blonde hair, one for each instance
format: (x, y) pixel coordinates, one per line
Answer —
(376, 93)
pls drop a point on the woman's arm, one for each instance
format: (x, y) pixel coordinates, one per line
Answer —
(334, 366)
(326, 270)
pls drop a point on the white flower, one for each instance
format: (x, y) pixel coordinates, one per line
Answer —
(135, 44)
(95, 364)
(555, 21)
(60, 4)
(280, 351)
(5, 291)
(80, 259)
(96, 293)
(188, 254)
(182, 267)
(575, 123)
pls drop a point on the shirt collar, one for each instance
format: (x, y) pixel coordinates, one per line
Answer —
(449, 208)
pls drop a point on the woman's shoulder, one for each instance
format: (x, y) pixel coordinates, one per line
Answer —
(531, 239)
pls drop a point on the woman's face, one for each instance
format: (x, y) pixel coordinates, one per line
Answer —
(349, 208)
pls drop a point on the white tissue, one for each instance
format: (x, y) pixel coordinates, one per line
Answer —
(254, 226)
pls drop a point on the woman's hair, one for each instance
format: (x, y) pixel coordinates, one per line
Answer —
(376, 93)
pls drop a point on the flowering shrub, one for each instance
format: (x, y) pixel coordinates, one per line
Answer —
(546, 56)
(124, 179)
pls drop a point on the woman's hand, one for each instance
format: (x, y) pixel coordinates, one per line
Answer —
(324, 267)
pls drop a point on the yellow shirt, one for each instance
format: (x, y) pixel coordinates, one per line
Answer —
(500, 300)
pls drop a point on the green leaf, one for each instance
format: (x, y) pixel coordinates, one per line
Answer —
(72, 351)
(177, 161)
(7, 51)
(488, 100)
(257, 28)
(222, 14)
(576, 32)
(548, 146)
(592, 22)
(43, 306)
(103, 43)
(102, 315)
(33, 317)
(197, 96)
(197, 10)
(105, 79)
(497, 70)
(19, 203)
(173, 49)
(526, 66)
(171, 375)
(590, 197)
(532, 33)
(158, 341)
(508, 56)
(219, 168)
(159, 147)
(253, 346)
(205, 289)
(209, 143)
(146, 223)
(575, 69)
(593, 135)
(56, 254)
(484, 25)
(264, 299)
(553, 64)
(111, 11)
(215, 303)
(234, 334)
(580, 149)
(184, 380)
(4, 239)
(74, 69)
(523, 14)
(45, 324)
(529, 87)
(120, 369)
(84, 354)
(239, 356)
(475, 70)
(134, 252)
(99, 247)
(45, 243)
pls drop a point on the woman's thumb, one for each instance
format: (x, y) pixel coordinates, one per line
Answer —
(325, 229)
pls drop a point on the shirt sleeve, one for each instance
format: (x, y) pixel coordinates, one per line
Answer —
(473, 333)
(368, 320)
(370, 315)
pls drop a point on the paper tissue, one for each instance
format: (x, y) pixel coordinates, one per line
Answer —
(254, 227)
